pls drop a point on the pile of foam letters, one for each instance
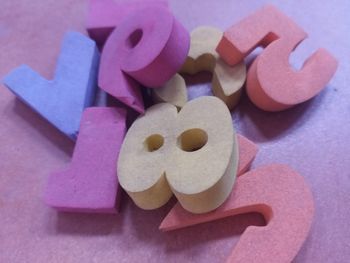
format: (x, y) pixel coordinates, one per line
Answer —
(186, 148)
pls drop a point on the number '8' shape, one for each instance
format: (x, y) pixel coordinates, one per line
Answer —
(193, 154)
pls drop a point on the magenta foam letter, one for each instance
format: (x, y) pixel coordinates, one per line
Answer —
(147, 48)
(90, 184)
(104, 15)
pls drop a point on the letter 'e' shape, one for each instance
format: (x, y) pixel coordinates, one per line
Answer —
(272, 84)
(193, 154)
(147, 48)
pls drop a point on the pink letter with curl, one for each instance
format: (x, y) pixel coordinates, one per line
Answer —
(272, 84)
(147, 48)
(104, 15)
(280, 195)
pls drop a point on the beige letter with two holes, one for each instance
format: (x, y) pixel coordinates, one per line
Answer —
(193, 154)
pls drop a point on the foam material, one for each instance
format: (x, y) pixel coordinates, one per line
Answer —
(62, 100)
(90, 183)
(166, 152)
(226, 81)
(148, 47)
(104, 15)
(272, 84)
(277, 192)
(313, 138)
(247, 153)
(173, 92)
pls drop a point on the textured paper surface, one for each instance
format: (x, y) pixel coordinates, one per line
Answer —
(313, 138)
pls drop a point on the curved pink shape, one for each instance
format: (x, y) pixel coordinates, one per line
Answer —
(272, 84)
(147, 48)
(277, 192)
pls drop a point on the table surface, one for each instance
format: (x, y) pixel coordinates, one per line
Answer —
(313, 138)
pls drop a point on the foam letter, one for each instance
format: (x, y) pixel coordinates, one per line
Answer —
(192, 154)
(105, 15)
(90, 183)
(272, 84)
(277, 192)
(148, 47)
(247, 152)
(226, 82)
(62, 100)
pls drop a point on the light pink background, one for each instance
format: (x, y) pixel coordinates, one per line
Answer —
(313, 138)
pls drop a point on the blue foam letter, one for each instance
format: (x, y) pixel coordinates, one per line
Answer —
(62, 100)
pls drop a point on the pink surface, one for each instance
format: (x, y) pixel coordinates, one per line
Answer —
(272, 84)
(247, 152)
(89, 183)
(313, 138)
(147, 42)
(280, 195)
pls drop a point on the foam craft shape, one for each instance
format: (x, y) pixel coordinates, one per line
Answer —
(104, 15)
(247, 152)
(166, 152)
(90, 183)
(61, 101)
(277, 192)
(226, 82)
(272, 84)
(147, 48)
(173, 92)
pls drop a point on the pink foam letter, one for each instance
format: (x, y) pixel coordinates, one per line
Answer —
(277, 192)
(90, 184)
(272, 84)
(147, 48)
(247, 152)
(104, 15)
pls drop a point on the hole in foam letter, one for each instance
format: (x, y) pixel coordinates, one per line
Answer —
(154, 142)
(192, 140)
(134, 38)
